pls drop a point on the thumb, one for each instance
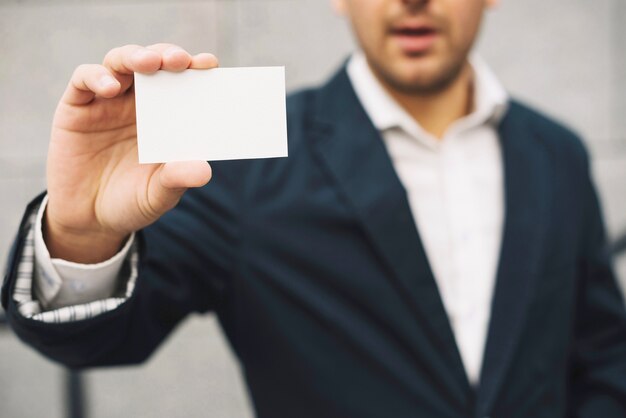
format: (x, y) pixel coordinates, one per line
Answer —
(172, 180)
(184, 174)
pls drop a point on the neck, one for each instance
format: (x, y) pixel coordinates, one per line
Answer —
(435, 112)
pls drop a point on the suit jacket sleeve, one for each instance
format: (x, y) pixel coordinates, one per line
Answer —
(598, 372)
(185, 261)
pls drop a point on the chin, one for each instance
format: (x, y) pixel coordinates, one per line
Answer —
(420, 75)
(420, 86)
(414, 79)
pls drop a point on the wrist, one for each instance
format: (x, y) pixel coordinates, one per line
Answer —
(80, 245)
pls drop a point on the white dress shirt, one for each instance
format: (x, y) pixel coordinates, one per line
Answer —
(454, 187)
(456, 193)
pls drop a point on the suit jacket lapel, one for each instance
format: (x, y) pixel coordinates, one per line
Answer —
(354, 153)
(527, 200)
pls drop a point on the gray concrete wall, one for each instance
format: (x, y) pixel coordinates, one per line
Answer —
(564, 56)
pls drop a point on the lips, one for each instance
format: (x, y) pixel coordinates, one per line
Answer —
(414, 39)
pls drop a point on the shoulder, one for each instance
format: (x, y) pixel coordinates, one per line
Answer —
(244, 176)
(299, 105)
(300, 100)
(561, 141)
(302, 108)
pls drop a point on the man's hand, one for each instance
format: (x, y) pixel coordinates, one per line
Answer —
(97, 191)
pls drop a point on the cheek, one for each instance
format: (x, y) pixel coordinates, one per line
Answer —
(464, 24)
(370, 31)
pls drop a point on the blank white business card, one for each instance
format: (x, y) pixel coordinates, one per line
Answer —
(216, 114)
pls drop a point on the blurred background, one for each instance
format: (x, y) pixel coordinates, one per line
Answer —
(567, 57)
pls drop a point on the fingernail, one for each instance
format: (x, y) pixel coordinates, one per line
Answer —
(107, 81)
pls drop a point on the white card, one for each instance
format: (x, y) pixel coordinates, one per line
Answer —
(217, 114)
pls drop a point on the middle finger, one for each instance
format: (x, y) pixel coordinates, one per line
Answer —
(173, 57)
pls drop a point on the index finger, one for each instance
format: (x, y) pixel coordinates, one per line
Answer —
(128, 59)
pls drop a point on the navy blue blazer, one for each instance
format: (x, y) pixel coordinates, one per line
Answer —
(317, 274)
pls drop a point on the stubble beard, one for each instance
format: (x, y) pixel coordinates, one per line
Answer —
(423, 85)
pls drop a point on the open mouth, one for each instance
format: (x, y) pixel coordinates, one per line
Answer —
(417, 31)
(416, 39)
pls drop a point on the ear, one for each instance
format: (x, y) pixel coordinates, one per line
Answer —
(339, 6)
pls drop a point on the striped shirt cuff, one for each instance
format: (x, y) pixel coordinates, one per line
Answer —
(25, 286)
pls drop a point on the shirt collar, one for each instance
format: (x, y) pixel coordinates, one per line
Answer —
(490, 98)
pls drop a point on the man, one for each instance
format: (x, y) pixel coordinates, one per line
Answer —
(503, 305)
